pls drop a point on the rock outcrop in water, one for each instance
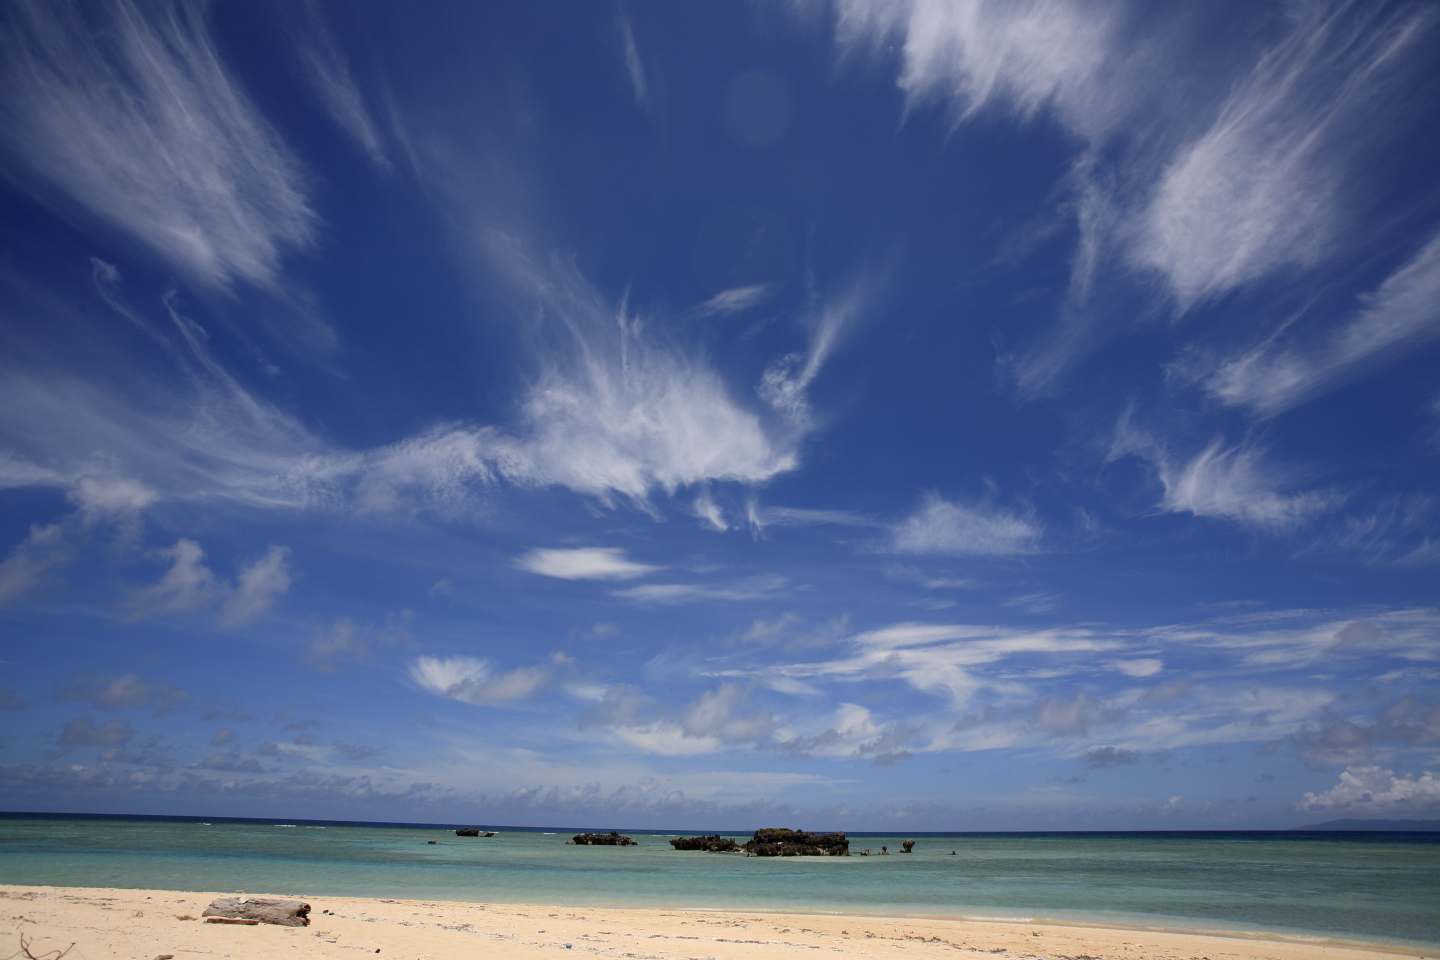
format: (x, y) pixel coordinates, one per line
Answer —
(286, 913)
(611, 839)
(907, 845)
(467, 833)
(713, 843)
(780, 842)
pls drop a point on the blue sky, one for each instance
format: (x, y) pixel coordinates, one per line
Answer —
(861, 414)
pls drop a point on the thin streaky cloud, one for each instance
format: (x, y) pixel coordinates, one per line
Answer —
(1224, 482)
(669, 594)
(131, 116)
(1263, 189)
(734, 300)
(329, 74)
(1404, 310)
(634, 67)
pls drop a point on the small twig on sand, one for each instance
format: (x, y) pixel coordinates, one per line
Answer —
(47, 955)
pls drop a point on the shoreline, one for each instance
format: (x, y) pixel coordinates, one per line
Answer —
(148, 923)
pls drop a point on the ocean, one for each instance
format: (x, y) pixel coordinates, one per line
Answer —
(1382, 888)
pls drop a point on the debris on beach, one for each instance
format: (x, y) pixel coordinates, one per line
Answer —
(252, 910)
(782, 842)
(611, 839)
(713, 844)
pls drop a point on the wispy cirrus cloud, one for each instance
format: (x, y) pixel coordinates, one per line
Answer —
(634, 66)
(1276, 376)
(1264, 188)
(329, 74)
(1231, 483)
(126, 114)
(613, 412)
(1235, 484)
(1208, 180)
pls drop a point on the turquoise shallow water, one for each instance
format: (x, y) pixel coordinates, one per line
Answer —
(1374, 887)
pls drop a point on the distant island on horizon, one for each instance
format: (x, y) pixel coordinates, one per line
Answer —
(1403, 826)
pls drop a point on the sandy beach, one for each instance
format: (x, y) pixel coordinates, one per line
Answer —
(149, 924)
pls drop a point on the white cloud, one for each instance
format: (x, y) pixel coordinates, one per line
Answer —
(130, 114)
(1233, 484)
(257, 588)
(100, 501)
(1073, 716)
(633, 65)
(1212, 180)
(584, 563)
(186, 585)
(709, 511)
(112, 496)
(470, 680)
(753, 588)
(329, 72)
(1405, 309)
(786, 382)
(942, 527)
(1371, 790)
(759, 517)
(1024, 55)
(1263, 188)
(1142, 667)
(734, 300)
(611, 412)
(21, 572)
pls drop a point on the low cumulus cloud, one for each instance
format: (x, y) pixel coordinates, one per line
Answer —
(102, 505)
(83, 732)
(8, 700)
(1375, 791)
(939, 526)
(1074, 715)
(471, 680)
(122, 693)
(348, 640)
(1111, 757)
(583, 563)
(189, 584)
(708, 723)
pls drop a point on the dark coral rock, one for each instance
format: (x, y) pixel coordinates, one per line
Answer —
(713, 843)
(780, 842)
(611, 839)
(467, 833)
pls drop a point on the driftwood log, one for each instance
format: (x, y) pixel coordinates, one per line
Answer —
(713, 843)
(780, 842)
(287, 913)
(611, 839)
